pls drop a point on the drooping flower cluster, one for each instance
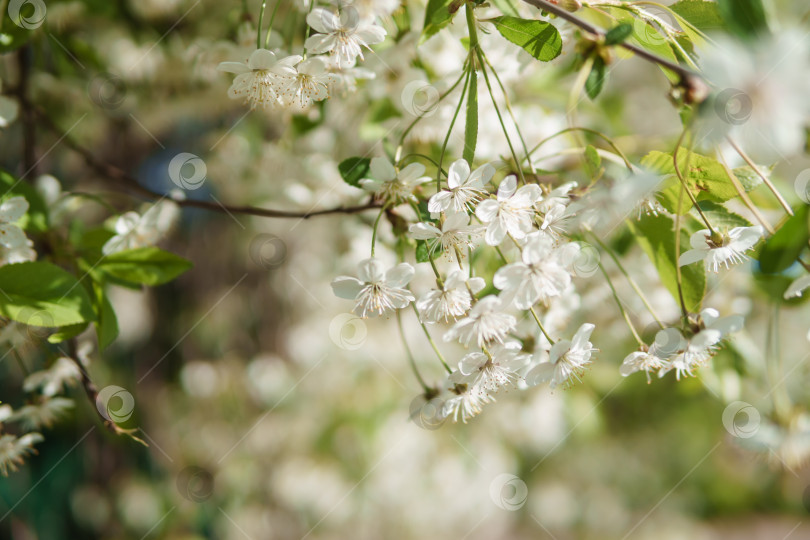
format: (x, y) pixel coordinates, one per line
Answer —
(14, 245)
(270, 80)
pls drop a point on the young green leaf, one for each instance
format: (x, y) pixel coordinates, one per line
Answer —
(107, 324)
(438, 14)
(593, 159)
(618, 34)
(719, 216)
(41, 294)
(539, 38)
(783, 248)
(148, 266)
(596, 78)
(354, 169)
(701, 14)
(746, 18)
(656, 235)
(471, 127)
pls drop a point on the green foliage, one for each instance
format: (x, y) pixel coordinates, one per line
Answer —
(148, 265)
(656, 235)
(438, 14)
(354, 169)
(706, 178)
(593, 160)
(783, 248)
(720, 217)
(42, 294)
(539, 38)
(701, 14)
(746, 18)
(618, 34)
(12, 35)
(596, 78)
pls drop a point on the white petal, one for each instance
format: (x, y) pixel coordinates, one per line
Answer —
(424, 231)
(346, 287)
(13, 209)
(381, 169)
(487, 210)
(692, 256)
(261, 59)
(507, 187)
(540, 373)
(11, 236)
(400, 275)
(795, 289)
(233, 67)
(458, 173)
(371, 271)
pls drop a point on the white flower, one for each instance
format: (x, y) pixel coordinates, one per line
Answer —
(15, 247)
(553, 224)
(797, 287)
(541, 275)
(344, 79)
(723, 249)
(464, 188)
(135, 231)
(559, 195)
(13, 450)
(376, 292)
(393, 186)
(467, 398)
(342, 34)
(369, 9)
(456, 234)
(450, 302)
(644, 361)
(498, 369)
(511, 213)
(261, 79)
(63, 373)
(486, 322)
(567, 360)
(310, 83)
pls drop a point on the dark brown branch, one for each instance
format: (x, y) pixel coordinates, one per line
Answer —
(26, 114)
(130, 184)
(685, 73)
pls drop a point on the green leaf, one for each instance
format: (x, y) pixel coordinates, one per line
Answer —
(720, 217)
(354, 169)
(656, 235)
(422, 254)
(14, 35)
(42, 294)
(593, 159)
(596, 78)
(148, 266)
(618, 34)
(438, 14)
(36, 219)
(107, 324)
(748, 176)
(746, 18)
(471, 127)
(783, 248)
(701, 14)
(706, 179)
(67, 332)
(539, 38)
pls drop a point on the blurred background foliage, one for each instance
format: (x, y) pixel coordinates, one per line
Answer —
(259, 425)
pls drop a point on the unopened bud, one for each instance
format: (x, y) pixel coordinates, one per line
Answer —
(568, 5)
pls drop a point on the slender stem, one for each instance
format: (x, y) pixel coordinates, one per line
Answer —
(259, 27)
(374, 230)
(680, 176)
(468, 76)
(764, 177)
(498, 113)
(309, 29)
(607, 139)
(619, 303)
(409, 354)
(743, 195)
(508, 104)
(540, 324)
(270, 24)
(678, 273)
(545, 5)
(630, 280)
(430, 339)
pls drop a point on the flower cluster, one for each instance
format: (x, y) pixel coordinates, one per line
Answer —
(14, 245)
(271, 80)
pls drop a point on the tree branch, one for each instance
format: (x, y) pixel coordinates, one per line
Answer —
(686, 74)
(130, 184)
